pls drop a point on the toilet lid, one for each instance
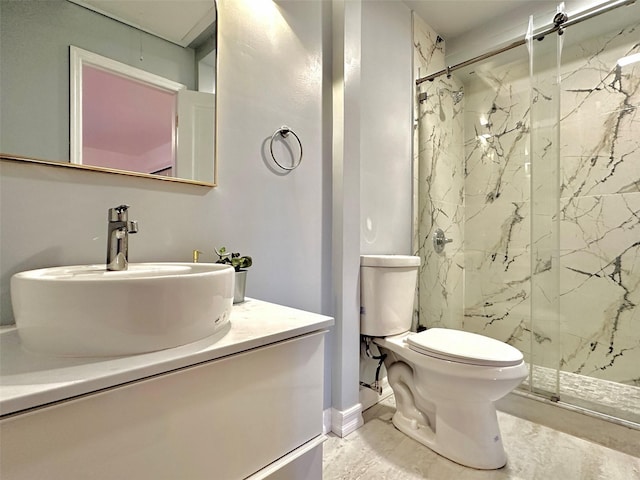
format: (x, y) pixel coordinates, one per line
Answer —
(464, 347)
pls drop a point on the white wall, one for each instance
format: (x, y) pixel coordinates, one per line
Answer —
(386, 128)
(386, 99)
(346, 53)
(274, 68)
(270, 74)
(372, 166)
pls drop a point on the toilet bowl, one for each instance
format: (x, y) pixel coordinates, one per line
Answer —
(445, 381)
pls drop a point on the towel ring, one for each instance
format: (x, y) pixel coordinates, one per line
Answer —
(284, 131)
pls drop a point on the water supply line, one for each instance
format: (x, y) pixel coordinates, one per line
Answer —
(375, 386)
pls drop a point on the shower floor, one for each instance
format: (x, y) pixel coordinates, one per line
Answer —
(603, 396)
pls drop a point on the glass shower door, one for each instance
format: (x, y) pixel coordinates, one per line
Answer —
(530, 161)
(544, 116)
(599, 214)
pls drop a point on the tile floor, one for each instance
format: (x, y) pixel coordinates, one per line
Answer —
(535, 452)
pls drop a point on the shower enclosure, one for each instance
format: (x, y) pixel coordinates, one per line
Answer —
(529, 161)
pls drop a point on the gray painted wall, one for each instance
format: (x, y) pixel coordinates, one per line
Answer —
(275, 68)
(56, 216)
(386, 128)
(386, 138)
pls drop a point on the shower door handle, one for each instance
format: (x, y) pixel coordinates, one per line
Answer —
(439, 240)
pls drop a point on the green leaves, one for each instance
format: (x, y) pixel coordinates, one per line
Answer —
(234, 259)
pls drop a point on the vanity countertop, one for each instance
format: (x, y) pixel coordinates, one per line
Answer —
(29, 380)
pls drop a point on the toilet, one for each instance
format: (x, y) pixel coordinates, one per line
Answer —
(445, 381)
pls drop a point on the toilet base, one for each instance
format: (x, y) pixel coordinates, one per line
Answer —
(460, 447)
(465, 432)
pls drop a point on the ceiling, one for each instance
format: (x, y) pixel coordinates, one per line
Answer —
(178, 21)
(169, 19)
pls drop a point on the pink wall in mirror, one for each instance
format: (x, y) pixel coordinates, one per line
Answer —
(127, 124)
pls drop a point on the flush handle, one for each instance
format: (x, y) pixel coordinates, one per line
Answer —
(440, 240)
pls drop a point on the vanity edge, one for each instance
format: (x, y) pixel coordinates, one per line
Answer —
(29, 380)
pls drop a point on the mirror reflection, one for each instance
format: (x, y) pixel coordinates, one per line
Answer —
(60, 106)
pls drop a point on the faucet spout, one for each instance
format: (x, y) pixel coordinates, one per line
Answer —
(119, 228)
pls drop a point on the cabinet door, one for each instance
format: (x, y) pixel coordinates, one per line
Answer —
(306, 467)
(224, 419)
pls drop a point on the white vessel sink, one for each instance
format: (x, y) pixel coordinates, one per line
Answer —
(85, 310)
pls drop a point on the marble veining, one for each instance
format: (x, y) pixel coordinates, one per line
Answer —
(544, 213)
(440, 183)
(600, 207)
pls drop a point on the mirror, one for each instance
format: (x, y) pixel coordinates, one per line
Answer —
(42, 111)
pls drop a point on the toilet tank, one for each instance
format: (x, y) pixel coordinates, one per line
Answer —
(387, 293)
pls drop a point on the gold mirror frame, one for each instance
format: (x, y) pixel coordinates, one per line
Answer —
(89, 168)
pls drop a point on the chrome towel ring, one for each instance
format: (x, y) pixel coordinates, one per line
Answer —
(284, 132)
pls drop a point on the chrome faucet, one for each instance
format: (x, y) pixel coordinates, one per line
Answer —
(118, 238)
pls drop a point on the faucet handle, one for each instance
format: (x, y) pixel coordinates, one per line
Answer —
(132, 226)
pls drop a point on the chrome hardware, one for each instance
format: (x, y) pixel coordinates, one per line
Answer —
(439, 240)
(118, 231)
(558, 20)
(284, 132)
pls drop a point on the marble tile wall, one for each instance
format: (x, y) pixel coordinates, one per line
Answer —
(544, 225)
(600, 207)
(439, 162)
(497, 194)
(475, 181)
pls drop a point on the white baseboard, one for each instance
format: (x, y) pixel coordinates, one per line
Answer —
(326, 421)
(343, 422)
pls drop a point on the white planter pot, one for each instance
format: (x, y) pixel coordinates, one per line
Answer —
(241, 283)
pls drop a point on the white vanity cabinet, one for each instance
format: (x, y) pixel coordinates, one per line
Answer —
(254, 414)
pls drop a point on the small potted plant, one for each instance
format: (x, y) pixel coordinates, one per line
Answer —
(240, 264)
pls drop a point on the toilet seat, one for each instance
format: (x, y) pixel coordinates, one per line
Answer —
(464, 347)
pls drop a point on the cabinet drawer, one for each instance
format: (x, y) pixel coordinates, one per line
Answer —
(224, 419)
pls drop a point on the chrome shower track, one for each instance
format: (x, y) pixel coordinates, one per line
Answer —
(560, 23)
